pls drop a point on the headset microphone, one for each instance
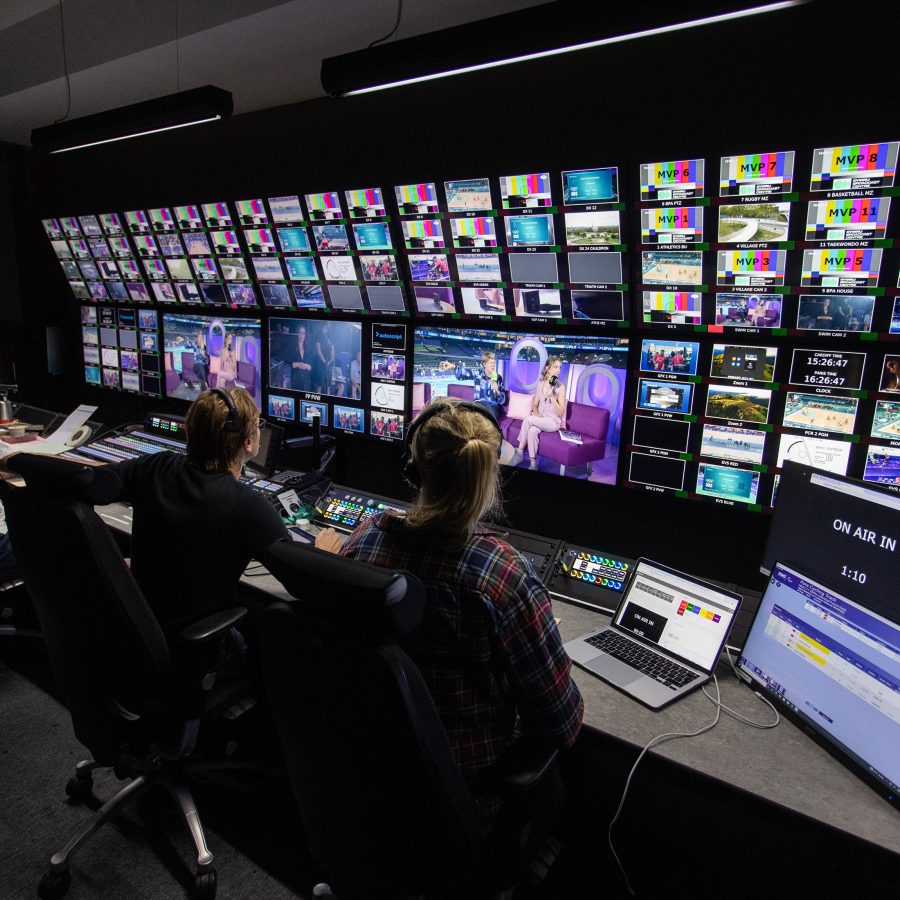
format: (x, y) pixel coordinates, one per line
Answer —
(233, 422)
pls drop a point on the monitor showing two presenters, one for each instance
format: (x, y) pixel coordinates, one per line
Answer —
(203, 351)
(557, 398)
(315, 356)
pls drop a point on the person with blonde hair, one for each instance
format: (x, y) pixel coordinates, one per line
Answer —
(548, 409)
(488, 646)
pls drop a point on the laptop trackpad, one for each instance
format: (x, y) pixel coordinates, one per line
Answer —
(614, 671)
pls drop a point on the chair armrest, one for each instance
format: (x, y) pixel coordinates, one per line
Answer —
(212, 626)
(524, 765)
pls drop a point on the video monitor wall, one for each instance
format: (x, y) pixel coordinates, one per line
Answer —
(762, 312)
(557, 397)
(531, 247)
(120, 349)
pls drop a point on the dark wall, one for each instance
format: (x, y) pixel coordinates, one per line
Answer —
(773, 82)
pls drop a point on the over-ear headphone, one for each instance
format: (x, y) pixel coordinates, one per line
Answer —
(410, 469)
(233, 423)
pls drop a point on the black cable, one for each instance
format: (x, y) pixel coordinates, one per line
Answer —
(62, 34)
(177, 53)
(392, 32)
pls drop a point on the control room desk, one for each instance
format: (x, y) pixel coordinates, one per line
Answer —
(780, 765)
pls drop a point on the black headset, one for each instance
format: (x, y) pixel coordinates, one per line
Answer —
(410, 468)
(233, 423)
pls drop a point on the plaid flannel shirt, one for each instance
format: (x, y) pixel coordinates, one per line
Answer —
(487, 647)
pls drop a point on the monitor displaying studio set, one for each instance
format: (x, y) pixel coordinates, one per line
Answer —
(232, 345)
(589, 373)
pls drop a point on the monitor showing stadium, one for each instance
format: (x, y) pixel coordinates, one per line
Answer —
(583, 376)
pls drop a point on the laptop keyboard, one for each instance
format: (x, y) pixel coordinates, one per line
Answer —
(645, 661)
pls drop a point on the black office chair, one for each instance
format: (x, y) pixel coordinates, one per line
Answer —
(136, 703)
(386, 810)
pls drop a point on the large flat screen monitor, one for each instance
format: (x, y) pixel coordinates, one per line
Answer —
(316, 357)
(840, 531)
(589, 373)
(833, 666)
(233, 346)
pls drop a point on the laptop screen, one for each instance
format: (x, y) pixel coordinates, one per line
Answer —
(835, 665)
(680, 615)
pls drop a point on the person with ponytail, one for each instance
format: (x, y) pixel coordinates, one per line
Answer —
(488, 646)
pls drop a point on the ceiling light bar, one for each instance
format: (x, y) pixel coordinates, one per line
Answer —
(128, 137)
(618, 39)
(194, 107)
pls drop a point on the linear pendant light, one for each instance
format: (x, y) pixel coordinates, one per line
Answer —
(193, 107)
(537, 32)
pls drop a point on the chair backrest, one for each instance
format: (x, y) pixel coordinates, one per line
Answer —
(106, 648)
(383, 801)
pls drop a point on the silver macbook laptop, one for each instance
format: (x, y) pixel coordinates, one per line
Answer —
(665, 637)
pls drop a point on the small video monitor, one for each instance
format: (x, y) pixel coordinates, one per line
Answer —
(294, 240)
(673, 307)
(170, 244)
(187, 217)
(524, 191)
(468, 194)
(530, 231)
(372, 236)
(90, 225)
(365, 203)
(665, 396)
(743, 363)
(260, 240)
(748, 310)
(379, 267)
(71, 226)
(111, 223)
(244, 295)
(217, 215)
(275, 295)
(301, 268)
(681, 179)
(853, 219)
(416, 199)
(326, 205)
(485, 266)
(754, 223)
(756, 174)
(196, 243)
(423, 234)
(475, 232)
(252, 212)
(330, 237)
(856, 267)
(286, 209)
(281, 408)
(595, 268)
(161, 219)
(854, 167)
(671, 225)
(583, 186)
(137, 221)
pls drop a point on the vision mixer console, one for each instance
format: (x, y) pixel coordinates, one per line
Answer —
(344, 508)
(589, 577)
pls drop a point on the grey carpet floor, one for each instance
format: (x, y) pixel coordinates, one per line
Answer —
(145, 854)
